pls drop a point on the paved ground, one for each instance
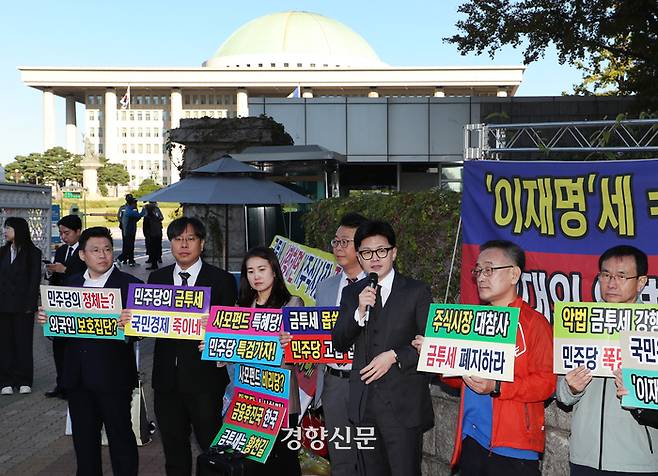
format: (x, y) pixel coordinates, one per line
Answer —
(32, 439)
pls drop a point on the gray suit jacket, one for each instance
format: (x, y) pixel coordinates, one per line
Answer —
(327, 291)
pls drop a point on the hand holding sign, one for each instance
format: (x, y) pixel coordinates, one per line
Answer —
(578, 379)
(619, 383)
(417, 343)
(124, 318)
(483, 386)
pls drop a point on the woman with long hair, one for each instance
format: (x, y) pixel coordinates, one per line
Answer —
(262, 285)
(20, 275)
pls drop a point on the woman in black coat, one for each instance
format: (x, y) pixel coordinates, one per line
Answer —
(20, 275)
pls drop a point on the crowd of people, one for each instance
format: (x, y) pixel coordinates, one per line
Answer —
(500, 427)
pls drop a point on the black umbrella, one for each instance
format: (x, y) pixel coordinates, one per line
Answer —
(226, 182)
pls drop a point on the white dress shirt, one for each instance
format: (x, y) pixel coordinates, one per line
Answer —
(194, 271)
(98, 282)
(386, 285)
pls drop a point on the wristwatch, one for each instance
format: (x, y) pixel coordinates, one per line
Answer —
(496, 391)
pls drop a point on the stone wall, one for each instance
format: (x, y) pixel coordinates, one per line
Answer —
(438, 442)
(206, 140)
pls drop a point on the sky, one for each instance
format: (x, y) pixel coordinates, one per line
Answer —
(175, 33)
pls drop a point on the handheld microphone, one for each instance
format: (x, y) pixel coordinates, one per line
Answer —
(372, 282)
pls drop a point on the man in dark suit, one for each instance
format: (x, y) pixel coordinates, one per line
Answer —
(99, 375)
(386, 391)
(188, 391)
(67, 263)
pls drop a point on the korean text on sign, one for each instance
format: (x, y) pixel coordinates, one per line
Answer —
(470, 340)
(166, 311)
(311, 330)
(238, 334)
(587, 334)
(90, 313)
(640, 369)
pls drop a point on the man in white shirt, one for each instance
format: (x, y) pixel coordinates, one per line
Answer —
(99, 375)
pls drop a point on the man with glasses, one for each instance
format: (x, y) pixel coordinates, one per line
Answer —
(385, 390)
(500, 429)
(99, 375)
(335, 388)
(605, 438)
(188, 391)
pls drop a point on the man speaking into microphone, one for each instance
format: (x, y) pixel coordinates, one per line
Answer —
(380, 316)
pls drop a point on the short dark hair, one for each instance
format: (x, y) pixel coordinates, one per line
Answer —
(95, 232)
(352, 220)
(373, 228)
(177, 227)
(512, 250)
(21, 231)
(71, 222)
(279, 295)
(641, 261)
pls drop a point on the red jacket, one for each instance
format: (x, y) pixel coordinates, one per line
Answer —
(518, 412)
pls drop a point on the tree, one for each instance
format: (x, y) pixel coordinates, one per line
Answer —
(147, 186)
(611, 41)
(111, 174)
(54, 166)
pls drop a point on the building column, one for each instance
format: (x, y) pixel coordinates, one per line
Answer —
(373, 93)
(48, 119)
(439, 93)
(502, 92)
(242, 103)
(71, 126)
(110, 130)
(307, 92)
(176, 113)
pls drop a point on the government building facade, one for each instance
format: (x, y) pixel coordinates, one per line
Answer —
(283, 65)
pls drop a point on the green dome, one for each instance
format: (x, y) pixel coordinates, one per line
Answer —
(293, 38)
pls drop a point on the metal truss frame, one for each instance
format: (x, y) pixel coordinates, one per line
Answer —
(490, 141)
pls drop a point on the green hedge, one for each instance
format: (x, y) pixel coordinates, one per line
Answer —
(425, 224)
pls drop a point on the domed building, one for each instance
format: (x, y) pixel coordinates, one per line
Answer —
(295, 39)
(317, 76)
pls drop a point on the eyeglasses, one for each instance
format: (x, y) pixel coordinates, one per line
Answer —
(342, 243)
(607, 277)
(185, 239)
(488, 270)
(99, 251)
(380, 252)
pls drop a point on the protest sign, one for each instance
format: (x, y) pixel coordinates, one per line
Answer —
(639, 354)
(257, 411)
(587, 333)
(564, 215)
(470, 340)
(165, 311)
(303, 267)
(242, 334)
(90, 313)
(251, 427)
(311, 331)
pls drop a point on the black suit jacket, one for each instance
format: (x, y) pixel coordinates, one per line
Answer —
(74, 265)
(177, 364)
(19, 281)
(402, 318)
(101, 365)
